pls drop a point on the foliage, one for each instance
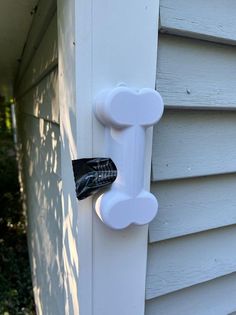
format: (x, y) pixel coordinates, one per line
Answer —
(16, 296)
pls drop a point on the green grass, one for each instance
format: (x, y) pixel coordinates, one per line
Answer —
(16, 296)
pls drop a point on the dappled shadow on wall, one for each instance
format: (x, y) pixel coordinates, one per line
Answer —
(42, 184)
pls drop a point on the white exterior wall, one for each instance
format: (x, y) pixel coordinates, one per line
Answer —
(191, 255)
(40, 162)
(80, 266)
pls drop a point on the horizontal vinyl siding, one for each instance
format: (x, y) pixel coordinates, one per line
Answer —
(191, 255)
(42, 101)
(40, 146)
(194, 143)
(44, 141)
(45, 11)
(40, 160)
(41, 169)
(182, 262)
(43, 61)
(188, 206)
(206, 19)
(196, 74)
(216, 297)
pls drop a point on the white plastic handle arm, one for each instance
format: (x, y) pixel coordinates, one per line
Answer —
(126, 113)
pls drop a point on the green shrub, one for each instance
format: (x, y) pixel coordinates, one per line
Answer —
(16, 296)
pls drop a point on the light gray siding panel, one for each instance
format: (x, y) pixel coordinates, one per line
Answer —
(194, 143)
(194, 73)
(183, 262)
(44, 13)
(216, 297)
(42, 100)
(40, 156)
(44, 138)
(40, 160)
(207, 19)
(192, 252)
(43, 61)
(41, 163)
(192, 205)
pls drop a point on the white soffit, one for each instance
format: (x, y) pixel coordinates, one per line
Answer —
(15, 21)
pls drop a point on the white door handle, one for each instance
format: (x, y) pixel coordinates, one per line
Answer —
(126, 113)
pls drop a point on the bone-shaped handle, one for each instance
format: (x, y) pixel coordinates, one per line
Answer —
(126, 113)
